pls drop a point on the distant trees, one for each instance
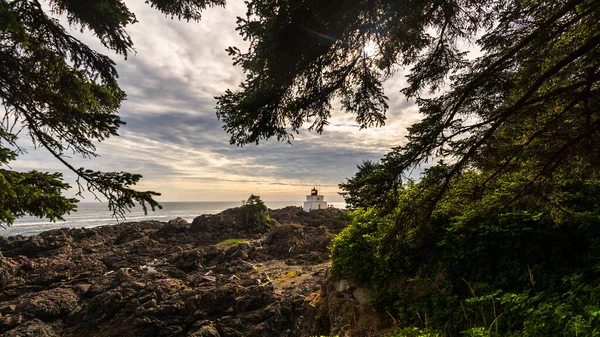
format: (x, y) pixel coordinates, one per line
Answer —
(257, 213)
(255, 205)
(65, 97)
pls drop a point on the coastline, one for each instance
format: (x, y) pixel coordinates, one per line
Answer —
(94, 214)
(172, 278)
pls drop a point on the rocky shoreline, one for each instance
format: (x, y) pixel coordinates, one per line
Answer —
(170, 279)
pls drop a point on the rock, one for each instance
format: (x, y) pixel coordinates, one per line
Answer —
(177, 222)
(362, 295)
(330, 218)
(166, 279)
(240, 254)
(6, 271)
(189, 260)
(9, 322)
(234, 222)
(33, 328)
(102, 307)
(283, 239)
(260, 297)
(95, 289)
(205, 331)
(343, 285)
(121, 276)
(81, 289)
(127, 236)
(48, 304)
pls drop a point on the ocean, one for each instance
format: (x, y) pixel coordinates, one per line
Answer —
(92, 214)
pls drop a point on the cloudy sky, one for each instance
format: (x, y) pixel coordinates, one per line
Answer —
(175, 141)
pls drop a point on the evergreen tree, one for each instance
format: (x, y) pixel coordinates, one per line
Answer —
(532, 95)
(65, 96)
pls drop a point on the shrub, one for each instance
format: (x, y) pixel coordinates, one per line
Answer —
(522, 272)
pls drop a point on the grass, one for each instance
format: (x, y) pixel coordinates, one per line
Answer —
(287, 276)
(232, 242)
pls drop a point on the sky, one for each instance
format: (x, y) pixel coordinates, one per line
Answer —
(174, 139)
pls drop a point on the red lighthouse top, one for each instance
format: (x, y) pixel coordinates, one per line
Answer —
(314, 191)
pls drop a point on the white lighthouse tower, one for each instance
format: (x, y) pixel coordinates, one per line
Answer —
(314, 201)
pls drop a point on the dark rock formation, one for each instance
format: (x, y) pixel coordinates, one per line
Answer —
(168, 279)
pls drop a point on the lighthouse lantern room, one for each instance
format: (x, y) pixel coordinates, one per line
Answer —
(314, 201)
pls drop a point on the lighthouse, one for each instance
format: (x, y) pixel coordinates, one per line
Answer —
(314, 201)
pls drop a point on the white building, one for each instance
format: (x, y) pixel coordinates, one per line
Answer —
(314, 201)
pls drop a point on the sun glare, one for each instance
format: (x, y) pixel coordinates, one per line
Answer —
(370, 48)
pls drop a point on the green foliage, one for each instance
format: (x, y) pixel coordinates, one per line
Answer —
(414, 332)
(364, 189)
(257, 213)
(232, 243)
(255, 205)
(34, 193)
(66, 97)
(529, 270)
(355, 248)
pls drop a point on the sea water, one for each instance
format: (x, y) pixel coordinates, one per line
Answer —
(92, 214)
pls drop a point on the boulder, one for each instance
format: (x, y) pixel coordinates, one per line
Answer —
(234, 222)
(177, 222)
(130, 235)
(284, 239)
(189, 260)
(48, 304)
(33, 328)
(205, 331)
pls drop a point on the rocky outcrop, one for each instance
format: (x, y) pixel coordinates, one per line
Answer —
(168, 279)
(231, 222)
(342, 309)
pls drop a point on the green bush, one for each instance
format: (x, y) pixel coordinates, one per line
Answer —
(523, 272)
(355, 247)
(255, 205)
(257, 213)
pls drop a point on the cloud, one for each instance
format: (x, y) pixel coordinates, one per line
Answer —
(173, 138)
